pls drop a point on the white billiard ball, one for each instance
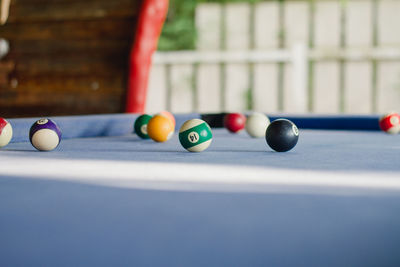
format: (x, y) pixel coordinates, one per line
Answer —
(257, 124)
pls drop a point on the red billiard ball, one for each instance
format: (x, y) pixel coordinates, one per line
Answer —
(390, 123)
(234, 122)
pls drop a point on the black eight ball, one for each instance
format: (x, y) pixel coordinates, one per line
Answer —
(282, 135)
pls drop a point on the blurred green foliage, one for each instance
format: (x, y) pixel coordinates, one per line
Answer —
(179, 31)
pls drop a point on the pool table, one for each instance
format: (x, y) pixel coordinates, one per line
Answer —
(105, 197)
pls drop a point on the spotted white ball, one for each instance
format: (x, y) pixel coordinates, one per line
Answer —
(6, 132)
(390, 123)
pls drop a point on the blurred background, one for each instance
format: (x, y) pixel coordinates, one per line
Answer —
(299, 56)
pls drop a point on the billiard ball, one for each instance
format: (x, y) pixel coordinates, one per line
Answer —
(195, 135)
(168, 115)
(234, 122)
(390, 123)
(45, 135)
(282, 135)
(160, 128)
(140, 126)
(256, 124)
(6, 132)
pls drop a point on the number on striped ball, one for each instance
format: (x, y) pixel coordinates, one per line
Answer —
(42, 121)
(193, 137)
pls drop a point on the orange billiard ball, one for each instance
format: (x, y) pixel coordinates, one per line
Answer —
(160, 128)
(168, 115)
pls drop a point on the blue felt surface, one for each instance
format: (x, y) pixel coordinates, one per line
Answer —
(55, 223)
(67, 224)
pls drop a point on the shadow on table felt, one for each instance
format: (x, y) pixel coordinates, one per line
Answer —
(177, 150)
(169, 151)
(21, 150)
(295, 160)
(316, 150)
(89, 225)
(239, 150)
(130, 138)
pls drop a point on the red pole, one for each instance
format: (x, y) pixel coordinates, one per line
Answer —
(150, 22)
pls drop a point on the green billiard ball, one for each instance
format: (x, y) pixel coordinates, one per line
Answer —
(140, 126)
(195, 135)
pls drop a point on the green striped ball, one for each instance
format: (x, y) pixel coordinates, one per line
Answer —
(140, 126)
(195, 135)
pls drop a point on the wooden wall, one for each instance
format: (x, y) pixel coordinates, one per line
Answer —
(66, 57)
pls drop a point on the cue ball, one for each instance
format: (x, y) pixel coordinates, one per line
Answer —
(6, 132)
(256, 124)
(45, 135)
(234, 122)
(160, 128)
(282, 135)
(195, 135)
(390, 123)
(140, 126)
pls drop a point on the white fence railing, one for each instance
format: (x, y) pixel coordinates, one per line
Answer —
(285, 56)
